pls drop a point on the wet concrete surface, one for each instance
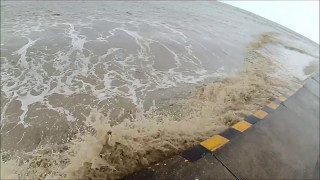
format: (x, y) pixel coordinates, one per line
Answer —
(281, 146)
(284, 145)
(208, 167)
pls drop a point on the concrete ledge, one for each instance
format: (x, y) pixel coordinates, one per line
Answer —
(279, 141)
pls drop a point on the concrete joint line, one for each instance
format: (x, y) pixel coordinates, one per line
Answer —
(225, 166)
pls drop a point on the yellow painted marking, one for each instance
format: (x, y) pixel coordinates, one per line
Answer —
(260, 114)
(214, 142)
(241, 126)
(296, 88)
(273, 105)
(281, 98)
(290, 93)
(186, 160)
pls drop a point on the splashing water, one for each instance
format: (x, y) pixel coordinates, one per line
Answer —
(104, 95)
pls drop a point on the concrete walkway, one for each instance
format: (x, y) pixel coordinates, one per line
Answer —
(281, 141)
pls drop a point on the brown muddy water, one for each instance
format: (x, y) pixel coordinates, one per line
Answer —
(102, 89)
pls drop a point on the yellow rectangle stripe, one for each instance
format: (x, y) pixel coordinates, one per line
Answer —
(290, 93)
(297, 87)
(260, 114)
(241, 126)
(281, 98)
(273, 105)
(214, 142)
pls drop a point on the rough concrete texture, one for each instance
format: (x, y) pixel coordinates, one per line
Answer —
(207, 167)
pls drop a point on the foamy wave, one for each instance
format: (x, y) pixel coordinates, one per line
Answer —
(111, 152)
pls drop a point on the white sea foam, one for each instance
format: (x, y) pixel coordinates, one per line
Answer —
(64, 61)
